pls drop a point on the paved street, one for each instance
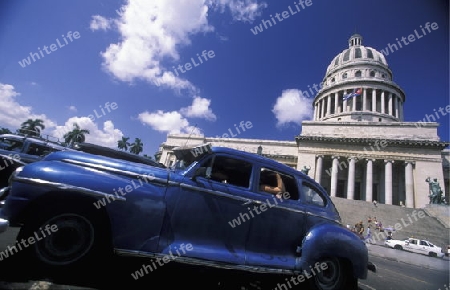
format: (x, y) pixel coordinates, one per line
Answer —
(396, 270)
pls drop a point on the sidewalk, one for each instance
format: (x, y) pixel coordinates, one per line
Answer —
(409, 258)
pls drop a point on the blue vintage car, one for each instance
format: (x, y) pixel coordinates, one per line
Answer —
(210, 212)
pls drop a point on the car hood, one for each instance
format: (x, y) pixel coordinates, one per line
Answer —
(106, 164)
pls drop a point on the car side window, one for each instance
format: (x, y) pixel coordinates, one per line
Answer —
(423, 243)
(274, 182)
(414, 242)
(311, 195)
(231, 170)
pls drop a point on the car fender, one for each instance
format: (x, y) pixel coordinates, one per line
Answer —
(330, 240)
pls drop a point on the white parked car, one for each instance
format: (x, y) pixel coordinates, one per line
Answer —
(417, 246)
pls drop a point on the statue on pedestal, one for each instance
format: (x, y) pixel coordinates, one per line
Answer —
(436, 194)
(305, 169)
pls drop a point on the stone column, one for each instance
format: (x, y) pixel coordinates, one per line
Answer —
(374, 100)
(322, 108)
(334, 175)
(319, 164)
(382, 102)
(315, 111)
(351, 178)
(354, 104)
(397, 115)
(388, 181)
(364, 101)
(369, 180)
(336, 103)
(390, 104)
(409, 184)
(329, 105)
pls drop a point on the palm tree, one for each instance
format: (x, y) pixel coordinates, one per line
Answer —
(137, 146)
(5, 131)
(76, 135)
(123, 144)
(32, 127)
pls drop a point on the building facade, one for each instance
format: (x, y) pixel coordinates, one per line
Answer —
(357, 146)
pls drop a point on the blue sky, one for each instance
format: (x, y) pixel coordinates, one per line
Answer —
(125, 53)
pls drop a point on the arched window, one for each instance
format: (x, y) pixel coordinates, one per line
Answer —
(358, 74)
(372, 73)
(346, 55)
(369, 53)
(344, 76)
(357, 52)
(336, 62)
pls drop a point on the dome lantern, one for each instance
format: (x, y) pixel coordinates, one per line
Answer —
(355, 40)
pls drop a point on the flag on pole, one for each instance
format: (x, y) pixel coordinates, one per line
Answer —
(356, 92)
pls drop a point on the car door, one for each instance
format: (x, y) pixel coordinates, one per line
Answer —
(207, 211)
(411, 245)
(277, 225)
(424, 247)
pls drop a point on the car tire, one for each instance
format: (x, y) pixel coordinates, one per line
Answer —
(337, 276)
(432, 254)
(79, 242)
(398, 247)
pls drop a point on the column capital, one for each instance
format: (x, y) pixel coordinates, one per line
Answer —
(410, 162)
(369, 159)
(388, 161)
(320, 156)
(353, 157)
(335, 157)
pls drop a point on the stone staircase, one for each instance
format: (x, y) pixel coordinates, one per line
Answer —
(430, 223)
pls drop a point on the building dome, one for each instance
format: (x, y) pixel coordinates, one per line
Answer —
(356, 52)
(364, 71)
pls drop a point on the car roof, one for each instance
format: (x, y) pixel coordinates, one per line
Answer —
(35, 140)
(257, 158)
(114, 153)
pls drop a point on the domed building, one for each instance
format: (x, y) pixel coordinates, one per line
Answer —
(357, 146)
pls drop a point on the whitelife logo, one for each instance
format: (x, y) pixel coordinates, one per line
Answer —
(37, 55)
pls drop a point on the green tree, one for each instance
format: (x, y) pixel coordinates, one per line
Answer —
(5, 131)
(76, 135)
(137, 146)
(32, 127)
(123, 144)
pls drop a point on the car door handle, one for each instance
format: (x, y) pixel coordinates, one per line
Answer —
(249, 201)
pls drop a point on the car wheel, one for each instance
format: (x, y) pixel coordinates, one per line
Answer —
(65, 240)
(337, 276)
(432, 254)
(398, 247)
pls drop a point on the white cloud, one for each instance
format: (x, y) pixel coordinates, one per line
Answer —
(152, 32)
(100, 23)
(292, 107)
(170, 122)
(72, 108)
(199, 109)
(13, 114)
(106, 136)
(241, 10)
